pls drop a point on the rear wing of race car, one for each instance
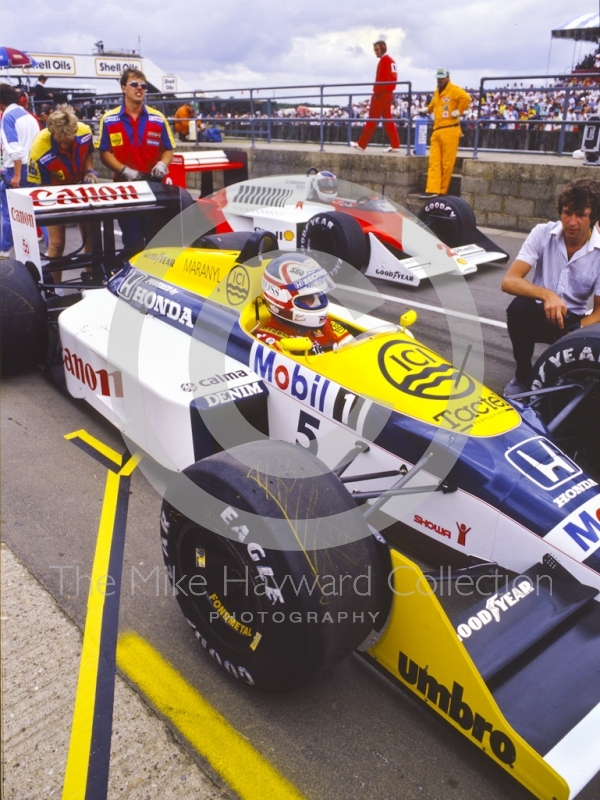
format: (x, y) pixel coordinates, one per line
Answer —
(99, 204)
(233, 163)
(517, 674)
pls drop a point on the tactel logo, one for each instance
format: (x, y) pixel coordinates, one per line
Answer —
(542, 462)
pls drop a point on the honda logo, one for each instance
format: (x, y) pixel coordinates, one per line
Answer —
(542, 462)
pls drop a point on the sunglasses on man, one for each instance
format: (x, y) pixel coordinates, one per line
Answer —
(138, 85)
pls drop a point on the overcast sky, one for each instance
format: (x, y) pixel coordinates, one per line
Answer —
(220, 44)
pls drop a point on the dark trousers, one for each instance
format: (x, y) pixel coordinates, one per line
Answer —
(527, 325)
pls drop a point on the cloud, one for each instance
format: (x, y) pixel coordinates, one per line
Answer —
(269, 43)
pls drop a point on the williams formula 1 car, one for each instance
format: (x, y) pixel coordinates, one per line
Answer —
(319, 212)
(301, 484)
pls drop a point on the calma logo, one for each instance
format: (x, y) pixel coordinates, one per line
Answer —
(542, 462)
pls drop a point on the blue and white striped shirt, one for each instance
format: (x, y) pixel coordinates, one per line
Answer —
(574, 281)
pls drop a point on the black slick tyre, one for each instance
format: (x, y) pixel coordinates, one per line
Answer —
(23, 319)
(450, 218)
(573, 359)
(275, 569)
(338, 236)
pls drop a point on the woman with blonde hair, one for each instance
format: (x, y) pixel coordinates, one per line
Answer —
(62, 153)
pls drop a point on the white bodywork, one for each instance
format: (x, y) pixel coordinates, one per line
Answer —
(284, 204)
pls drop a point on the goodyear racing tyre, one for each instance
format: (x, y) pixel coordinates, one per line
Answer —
(23, 319)
(278, 576)
(575, 358)
(339, 236)
(450, 218)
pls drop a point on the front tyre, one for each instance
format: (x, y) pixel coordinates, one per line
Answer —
(449, 218)
(277, 573)
(338, 236)
(23, 319)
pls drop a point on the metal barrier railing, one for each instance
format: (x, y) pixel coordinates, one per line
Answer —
(255, 124)
(325, 93)
(564, 122)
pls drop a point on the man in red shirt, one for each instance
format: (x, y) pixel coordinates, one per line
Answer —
(135, 139)
(136, 143)
(381, 101)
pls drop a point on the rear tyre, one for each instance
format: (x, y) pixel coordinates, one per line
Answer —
(23, 319)
(338, 236)
(450, 218)
(575, 358)
(278, 575)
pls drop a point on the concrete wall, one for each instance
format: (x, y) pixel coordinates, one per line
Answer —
(504, 194)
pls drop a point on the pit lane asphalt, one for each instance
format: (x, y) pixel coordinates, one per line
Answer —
(349, 735)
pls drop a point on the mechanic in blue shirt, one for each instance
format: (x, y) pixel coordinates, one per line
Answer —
(18, 129)
(136, 143)
(565, 258)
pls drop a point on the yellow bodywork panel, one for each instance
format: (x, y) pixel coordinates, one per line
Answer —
(421, 650)
(208, 273)
(391, 368)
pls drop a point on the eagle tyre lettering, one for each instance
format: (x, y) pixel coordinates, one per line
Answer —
(275, 600)
(574, 359)
(23, 319)
(339, 236)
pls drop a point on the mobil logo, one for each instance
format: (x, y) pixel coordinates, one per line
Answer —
(291, 378)
(542, 462)
(579, 533)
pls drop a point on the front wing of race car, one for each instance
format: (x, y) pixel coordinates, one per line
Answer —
(530, 704)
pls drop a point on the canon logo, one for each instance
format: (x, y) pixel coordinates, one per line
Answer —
(108, 383)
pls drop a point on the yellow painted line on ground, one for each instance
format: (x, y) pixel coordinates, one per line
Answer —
(74, 787)
(244, 768)
(130, 465)
(106, 451)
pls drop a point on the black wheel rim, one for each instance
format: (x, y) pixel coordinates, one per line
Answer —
(220, 588)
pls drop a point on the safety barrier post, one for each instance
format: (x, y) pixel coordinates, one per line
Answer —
(350, 118)
(253, 145)
(561, 137)
(321, 122)
(477, 121)
(409, 125)
(269, 115)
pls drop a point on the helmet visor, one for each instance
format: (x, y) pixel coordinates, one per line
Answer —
(327, 184)
(311, 302)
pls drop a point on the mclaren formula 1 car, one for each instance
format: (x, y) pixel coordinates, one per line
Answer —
(319, 212)
(311, 495)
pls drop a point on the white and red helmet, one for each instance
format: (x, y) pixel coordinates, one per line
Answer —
(295, 290)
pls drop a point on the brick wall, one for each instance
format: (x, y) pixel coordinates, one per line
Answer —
(516, 196)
